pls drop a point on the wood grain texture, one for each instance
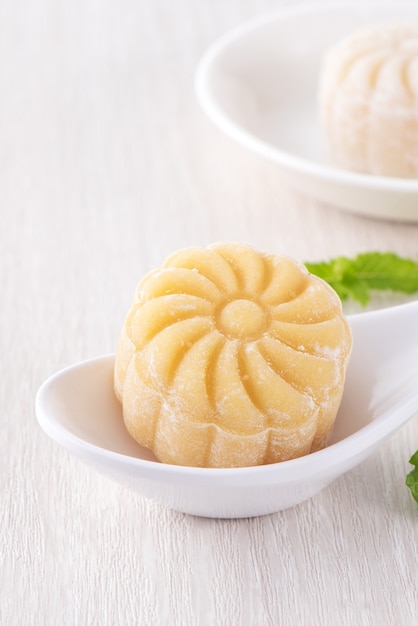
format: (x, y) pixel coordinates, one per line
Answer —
(107, 166)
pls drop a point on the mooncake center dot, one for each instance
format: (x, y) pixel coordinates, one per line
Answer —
(241, 319)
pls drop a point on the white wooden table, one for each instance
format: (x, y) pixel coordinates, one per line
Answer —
(108, 165)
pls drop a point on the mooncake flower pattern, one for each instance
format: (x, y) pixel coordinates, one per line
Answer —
(231, 357)
(369, 100)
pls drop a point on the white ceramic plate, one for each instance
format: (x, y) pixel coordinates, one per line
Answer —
(77, 408)
(259, 85)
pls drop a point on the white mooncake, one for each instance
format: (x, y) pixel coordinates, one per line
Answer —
(368, 101)
(230, 357)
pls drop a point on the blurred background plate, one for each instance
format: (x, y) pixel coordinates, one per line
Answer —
(258, 84)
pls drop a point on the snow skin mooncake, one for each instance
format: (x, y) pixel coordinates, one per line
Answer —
(231, 357)
(368, 101)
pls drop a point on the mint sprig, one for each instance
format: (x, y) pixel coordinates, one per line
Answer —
(412, 477)
(357, 277)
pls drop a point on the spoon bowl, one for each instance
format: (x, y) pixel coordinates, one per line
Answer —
(77, 408)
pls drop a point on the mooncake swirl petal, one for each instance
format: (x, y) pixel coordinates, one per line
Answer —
(248, 266)
(207, 263)
(179, 280)
(153, 316)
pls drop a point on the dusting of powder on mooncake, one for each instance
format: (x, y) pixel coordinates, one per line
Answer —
(368, 100)
(230, 357)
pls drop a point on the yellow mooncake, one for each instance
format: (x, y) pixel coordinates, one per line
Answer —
(231, 357)
(368, 100)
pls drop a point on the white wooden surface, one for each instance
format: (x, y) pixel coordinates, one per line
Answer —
(107, 165)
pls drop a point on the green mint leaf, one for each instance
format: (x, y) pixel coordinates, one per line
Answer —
(412, 477)
(355, 278)
(386, 270)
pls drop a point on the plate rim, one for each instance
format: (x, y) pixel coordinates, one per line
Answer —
(289, 161)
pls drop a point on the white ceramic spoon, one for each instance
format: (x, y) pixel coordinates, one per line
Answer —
(77, 409)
